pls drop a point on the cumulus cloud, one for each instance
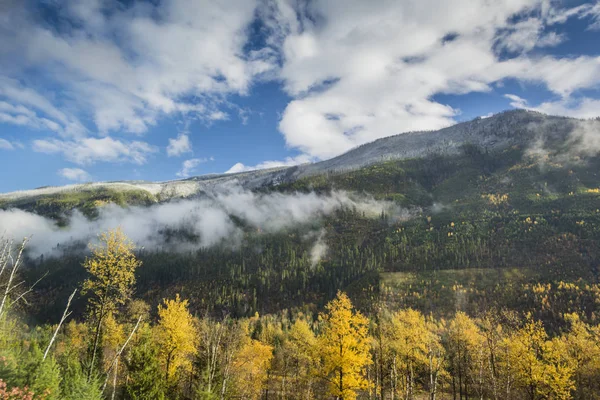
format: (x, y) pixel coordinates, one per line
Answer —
(91, 150)
(6, 145)
(129, 66)
(188, 166)
(398, 55)
(526, 35)
(207, 221)
(74, 174)
(288, 162)
(584, 108)
(24, 106)
(355, 70)
(179, 145)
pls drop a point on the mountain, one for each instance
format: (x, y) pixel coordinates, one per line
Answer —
(511, 128)
(468, 217)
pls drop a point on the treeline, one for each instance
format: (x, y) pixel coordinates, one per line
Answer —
(477, 209)
(124, 350)
(272, 271)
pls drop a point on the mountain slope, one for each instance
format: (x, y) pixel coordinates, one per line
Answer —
(512, 128)
(515, 195)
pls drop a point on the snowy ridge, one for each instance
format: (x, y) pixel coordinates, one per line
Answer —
(517, 127)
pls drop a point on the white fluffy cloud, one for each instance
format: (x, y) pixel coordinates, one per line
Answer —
(355, 70)
(363, 70)
(188, 166)
(91, 150)
(179, 145)
(129, 66)
(6, 145)
(583, 108)
(20, 105)
(211, 218)
(74, 174)
(288, 162)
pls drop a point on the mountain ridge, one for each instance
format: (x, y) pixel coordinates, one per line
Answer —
(502, 130)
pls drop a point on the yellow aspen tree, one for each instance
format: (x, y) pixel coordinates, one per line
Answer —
(113, 336)
(176, 335)
(536, 365)
(344, 348)
(410, 335)
(249, 368)
(558, 382)
(302, 349)
(111, 268)
(464, 344)
(384, 356)
(582, 347)
(494, 334)
(436, 355)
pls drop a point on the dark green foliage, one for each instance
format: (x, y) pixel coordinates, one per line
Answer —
(146, 381)
(548, 224)
(76, 386)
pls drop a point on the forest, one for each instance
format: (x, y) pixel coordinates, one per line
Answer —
(123, 349)
(485, 285)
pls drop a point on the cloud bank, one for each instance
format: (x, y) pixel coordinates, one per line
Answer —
(206, 221)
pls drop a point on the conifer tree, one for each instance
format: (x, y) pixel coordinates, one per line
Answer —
(145, 378)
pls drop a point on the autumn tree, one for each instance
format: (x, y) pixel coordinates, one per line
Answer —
(344, 348)
(409, 336)
(111, 268)
(301, 350)
(177, 335)
(250, 367)
(582, 347)
(464, 344)
(436, 355)
(537, 365)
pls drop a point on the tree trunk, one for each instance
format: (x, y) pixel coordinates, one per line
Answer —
(115, 380)
(96, 338)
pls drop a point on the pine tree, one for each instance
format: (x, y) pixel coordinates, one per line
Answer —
(76, 386)
(46, 379)
(145, 378)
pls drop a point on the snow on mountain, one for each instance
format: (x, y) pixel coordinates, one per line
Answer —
(517, 127)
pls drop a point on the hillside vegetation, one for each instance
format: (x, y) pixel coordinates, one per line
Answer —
(482, 280)
(476, 210)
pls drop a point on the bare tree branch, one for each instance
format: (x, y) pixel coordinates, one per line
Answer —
(115, 360)
(64, 316)
(15, 266)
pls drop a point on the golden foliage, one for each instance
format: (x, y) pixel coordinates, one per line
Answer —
(344, 348)
(177, 335)
(496, 199)
(538, 366)
(250, 367)
(112, 268)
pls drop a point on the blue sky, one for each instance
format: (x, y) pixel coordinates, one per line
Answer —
(130, 90)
